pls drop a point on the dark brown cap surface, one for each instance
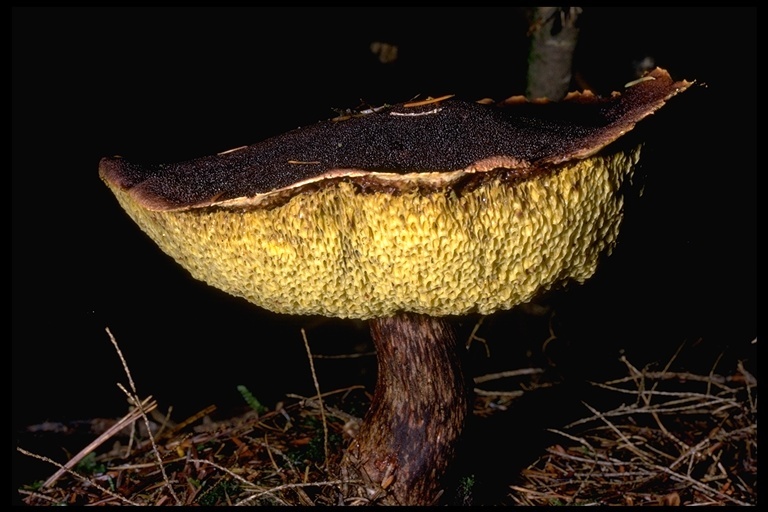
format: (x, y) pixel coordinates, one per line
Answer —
(442, 136)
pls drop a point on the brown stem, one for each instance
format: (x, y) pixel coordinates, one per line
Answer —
(409, 436)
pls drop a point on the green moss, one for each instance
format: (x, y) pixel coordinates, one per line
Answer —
(217, 494)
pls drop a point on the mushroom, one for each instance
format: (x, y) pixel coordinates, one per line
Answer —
(404, 215)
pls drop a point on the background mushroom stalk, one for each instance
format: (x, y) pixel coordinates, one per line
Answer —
(404, 215)
(417, 414)
(554, 33)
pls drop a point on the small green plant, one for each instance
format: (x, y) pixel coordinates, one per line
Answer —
(251, 400)
(35, 486)
(464, 492)
(89, 466)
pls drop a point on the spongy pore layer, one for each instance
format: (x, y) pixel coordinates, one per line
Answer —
(343, 253)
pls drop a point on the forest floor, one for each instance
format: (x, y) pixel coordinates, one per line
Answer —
(659, 436)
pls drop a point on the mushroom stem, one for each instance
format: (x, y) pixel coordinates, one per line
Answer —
(409, 435)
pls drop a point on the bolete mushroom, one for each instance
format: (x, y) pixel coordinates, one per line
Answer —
(404, 215)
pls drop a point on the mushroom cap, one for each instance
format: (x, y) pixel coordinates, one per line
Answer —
(439, 207)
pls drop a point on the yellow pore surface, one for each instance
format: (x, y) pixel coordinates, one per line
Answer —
(340, 253)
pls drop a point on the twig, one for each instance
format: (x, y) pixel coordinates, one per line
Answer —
(618, 432)
(192, 419)
(506, 374)
(64, 469)
(699, 486)
(344, 356)
(473, 336)
(271, 458)
(135, 398)
(694, 408)
(289, 486)
(715, 379)
(319, 395)
(327, 393)
(225, 470)
(655, 412)
(540, 494)
(749, 382)
(579, 440)
(506, 394)
(712, 371)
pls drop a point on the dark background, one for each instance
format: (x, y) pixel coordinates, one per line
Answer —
(156, 84)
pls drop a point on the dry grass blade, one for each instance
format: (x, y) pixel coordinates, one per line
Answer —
(277, 457)
(64, 469)
(147, 405)
(134, 398)
(319, 395)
